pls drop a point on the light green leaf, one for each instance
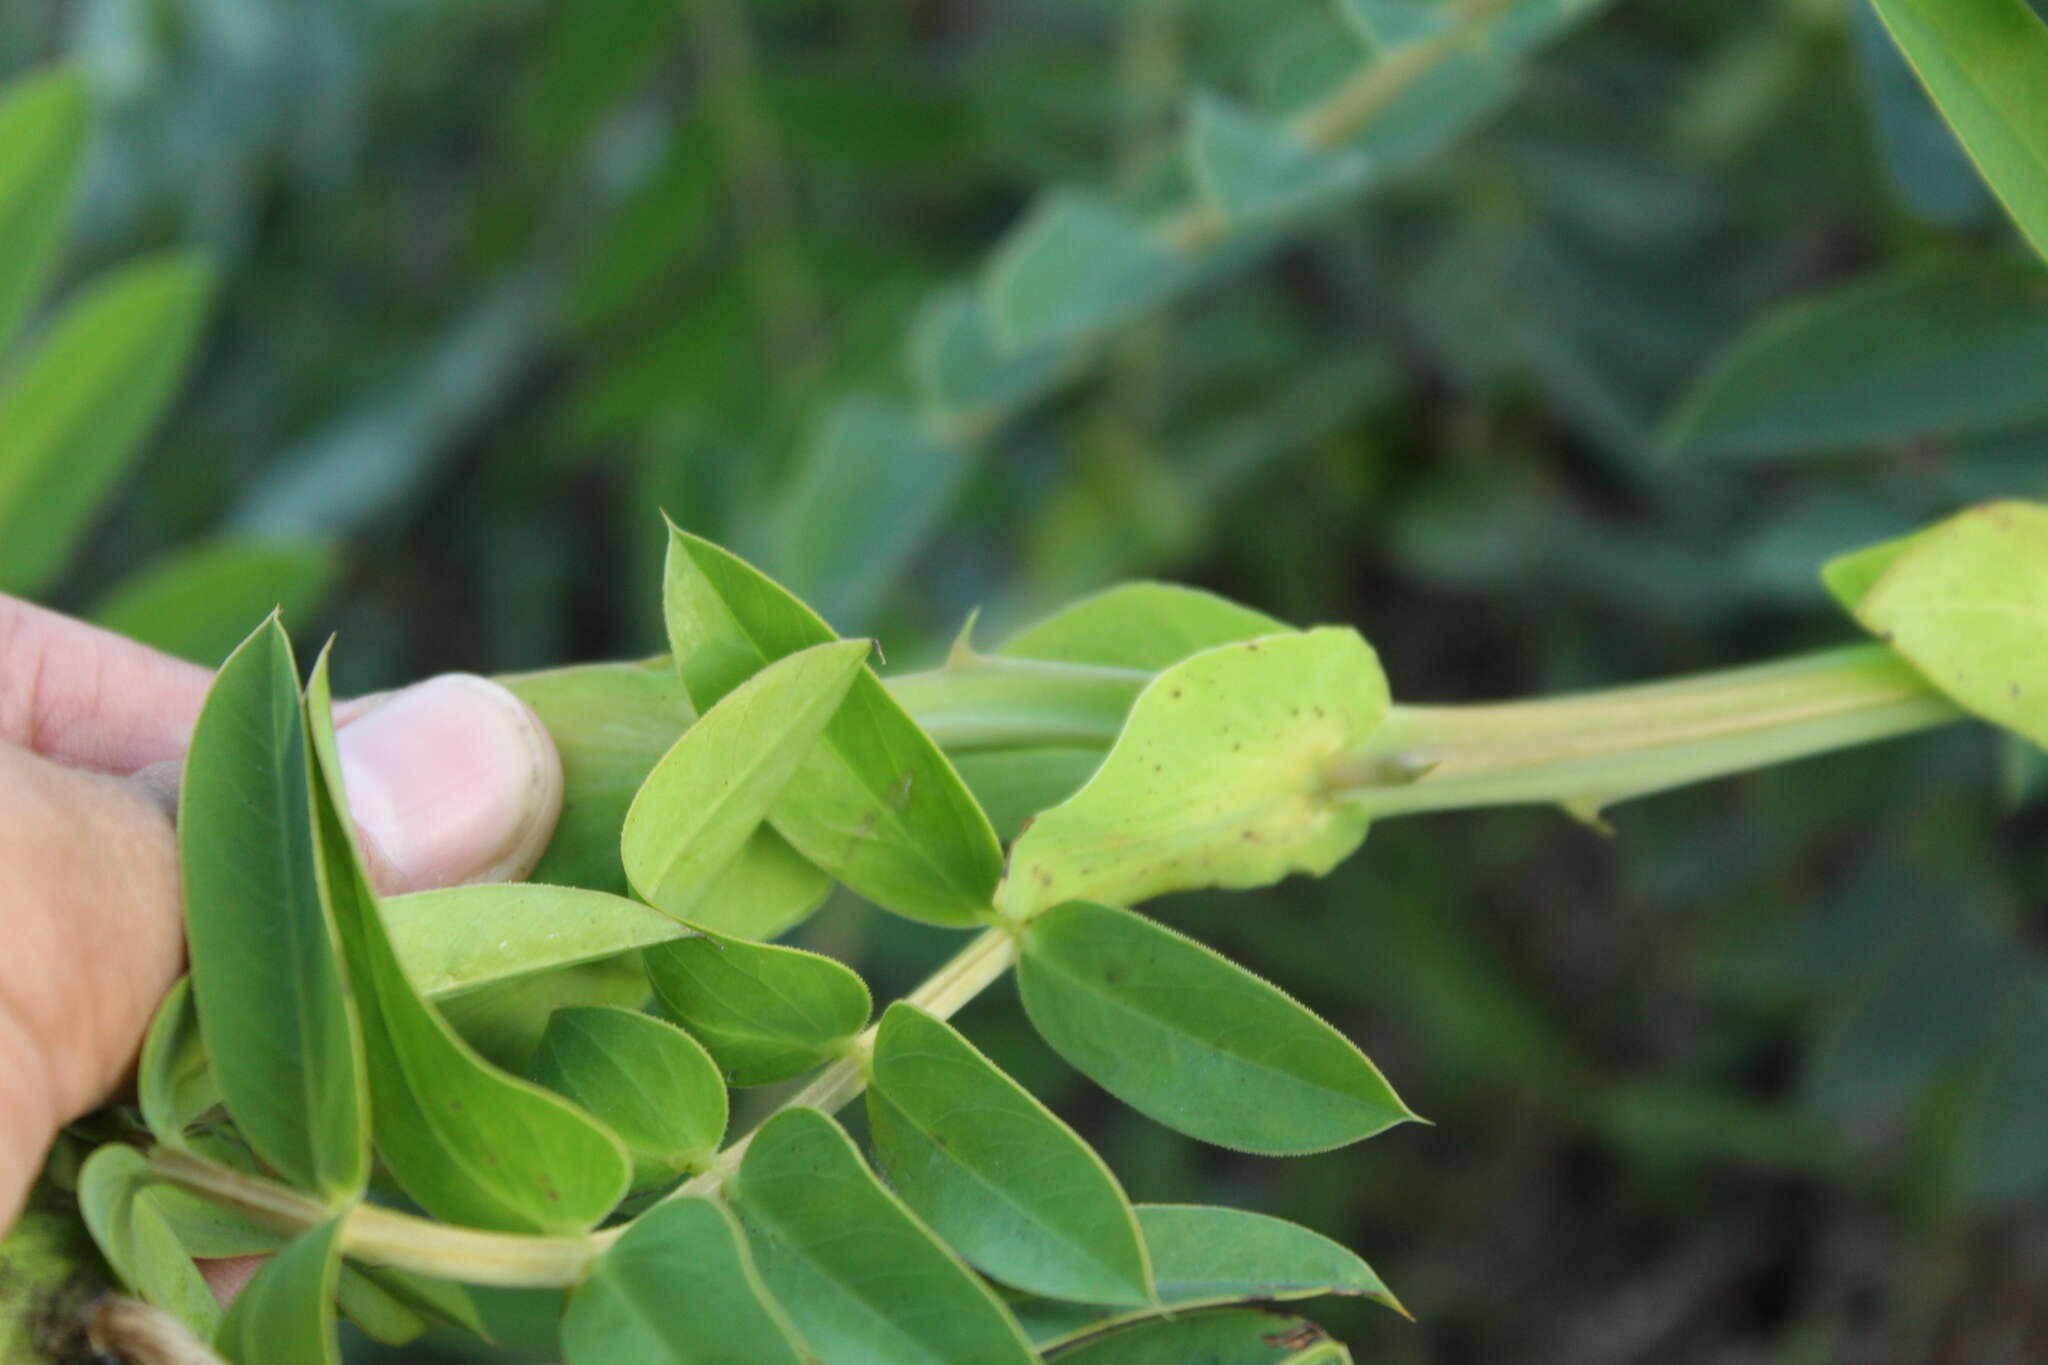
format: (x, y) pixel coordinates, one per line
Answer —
(1011, 1188)
(864, 1281)
(868, 498)
(1231, 1336)
(286, 1314)
(174, 1083)
(469, 936)
(1850, 577)
(44, 120)
(469, 1143)
(1191, 1039)
(764, 1013)
(679, 1288)
(1985, 63)
(1217, 779)
(1202, 1254)
(610, 723)
(274, 1008)
(1966, 603)
(73, 416)
(877, 805)
(1941, 348)
(115, 1199)
(964, 374)
(711, 791)
(1146, 626)
(1252, 169)
(645, 1079)
(1077, 265)
(197, 603)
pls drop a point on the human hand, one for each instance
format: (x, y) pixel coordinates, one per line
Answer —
(451, 780)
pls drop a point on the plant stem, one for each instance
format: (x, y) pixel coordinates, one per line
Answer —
(1586, 751)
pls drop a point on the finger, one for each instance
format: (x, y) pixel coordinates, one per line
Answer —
(89, 697)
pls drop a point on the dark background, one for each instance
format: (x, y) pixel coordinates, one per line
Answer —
(1758, 1079)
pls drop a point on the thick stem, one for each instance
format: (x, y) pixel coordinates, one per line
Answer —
(1590, 750)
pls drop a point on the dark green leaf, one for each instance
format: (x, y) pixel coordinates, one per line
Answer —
(274, 1009)
(467, 1142)
(765, 1013)
(1011, 1188)
(1202, 1254)
(175, 1084)
(1253, 169)
(1077, 265)
(1234, 1336)
(196, 604)
(961, 370)
(1191, 1039)
(73, 416)
(1985, 61)
(679, 1288)
(863, 1280)
(646, 1080)
(44, 119)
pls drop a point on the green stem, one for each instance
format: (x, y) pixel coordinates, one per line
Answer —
(1587, 751)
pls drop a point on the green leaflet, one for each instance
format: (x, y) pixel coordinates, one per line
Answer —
(1929, 172)
(138, 1241)
(1202, 1254)
(963, 374)
(863, 1280)
(711, 791)
(395, 1308)
(469, 936)
(1939, 348)
(1014, 785)
(877, 805)
(1390, 23)
(274, 1009)
(196, 603)
(871, 493)
(44, 120)
(1193, 1040)
(1076, 266)
(607, 719)
(286, 1314)
(175, 1084)
(645, 1079)
(1231, 1336)
(467, 1142)
(75, 413)
(1217, 779)
(1146, 626)
(1251, 168)
(1966, 603)
(1984, 62)
(504, 1020)
(206, 1229)
(679, 1288)
(764, 1013)
(1011, 1188)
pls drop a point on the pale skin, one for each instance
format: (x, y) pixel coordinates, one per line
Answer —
(452, 780)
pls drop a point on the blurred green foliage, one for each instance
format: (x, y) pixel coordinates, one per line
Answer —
(1586, 395)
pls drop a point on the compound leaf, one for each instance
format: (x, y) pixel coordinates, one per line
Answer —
(1191, 1039)
(1251, 168)
(1011, 1188)
(864, 1281)
(765, 1013)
